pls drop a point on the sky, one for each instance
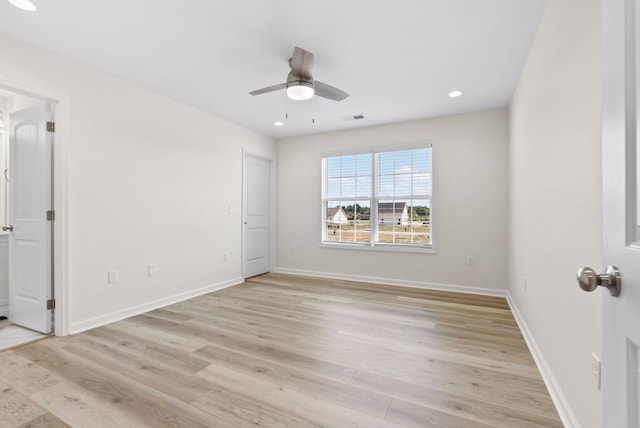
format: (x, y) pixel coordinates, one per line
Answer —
(403, 176)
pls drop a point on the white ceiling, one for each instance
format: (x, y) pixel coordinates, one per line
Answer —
(398, 59)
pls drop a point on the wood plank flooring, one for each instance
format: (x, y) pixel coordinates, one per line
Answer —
(286, 351)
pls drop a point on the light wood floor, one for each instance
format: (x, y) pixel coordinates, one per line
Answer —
(286, 351)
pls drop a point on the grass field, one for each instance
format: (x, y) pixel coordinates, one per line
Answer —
(414, 233)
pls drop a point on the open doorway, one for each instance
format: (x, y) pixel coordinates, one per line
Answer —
(26, 239)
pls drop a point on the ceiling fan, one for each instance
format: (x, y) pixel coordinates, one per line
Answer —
(300, 84)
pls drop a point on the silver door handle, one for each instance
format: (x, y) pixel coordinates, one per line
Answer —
(7, 228)
(246, 222)
(611, 279)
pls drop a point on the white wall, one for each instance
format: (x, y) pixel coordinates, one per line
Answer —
(555, 199)
(150, 180)
(470, 205)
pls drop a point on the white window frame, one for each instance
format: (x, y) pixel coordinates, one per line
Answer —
(375, 198)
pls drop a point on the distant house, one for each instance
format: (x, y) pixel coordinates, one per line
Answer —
(337, 216)
(393, 213)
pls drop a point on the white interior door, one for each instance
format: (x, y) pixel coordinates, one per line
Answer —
(257, 216)
(621, 212)
(29, 201)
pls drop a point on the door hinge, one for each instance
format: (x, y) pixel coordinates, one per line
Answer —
(51, 215)
(51, 127)
(51, 304)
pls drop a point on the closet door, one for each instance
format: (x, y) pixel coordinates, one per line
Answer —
(257, 230)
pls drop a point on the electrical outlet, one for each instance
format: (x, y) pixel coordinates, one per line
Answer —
(112, 277)
(470, 260)
(596, 371)
(293, 249)
(226, 256)
(152, 270)
(525, 285)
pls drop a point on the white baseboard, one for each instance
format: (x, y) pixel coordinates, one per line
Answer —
(567, 416)
(399, 282)
(81, 326)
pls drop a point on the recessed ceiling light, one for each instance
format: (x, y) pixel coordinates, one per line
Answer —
(455, 94)
(24, 5)
(278, 123)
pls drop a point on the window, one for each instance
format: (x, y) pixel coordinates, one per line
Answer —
(378, 198)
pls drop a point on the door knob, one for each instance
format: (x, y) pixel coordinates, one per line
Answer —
(611, 279)
(7, 228)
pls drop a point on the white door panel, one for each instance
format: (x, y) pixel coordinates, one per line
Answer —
(257, 216)
(621, 212)
(29, 201)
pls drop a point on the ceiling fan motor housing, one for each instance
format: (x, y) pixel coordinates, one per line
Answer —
(293, 80)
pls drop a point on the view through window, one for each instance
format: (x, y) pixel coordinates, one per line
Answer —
(378, 198)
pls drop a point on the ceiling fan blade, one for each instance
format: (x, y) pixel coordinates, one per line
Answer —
(269, 89)
(328, 91)
(301, 63)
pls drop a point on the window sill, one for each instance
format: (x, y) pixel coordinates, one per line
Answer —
(394, 248)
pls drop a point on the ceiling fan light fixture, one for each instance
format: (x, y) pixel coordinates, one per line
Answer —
(300, 90)
(300, 84)
(24, 5)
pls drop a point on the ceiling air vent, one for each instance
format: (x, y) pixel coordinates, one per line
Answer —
(353, 117)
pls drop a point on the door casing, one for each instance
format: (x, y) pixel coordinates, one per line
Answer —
(60, 161)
